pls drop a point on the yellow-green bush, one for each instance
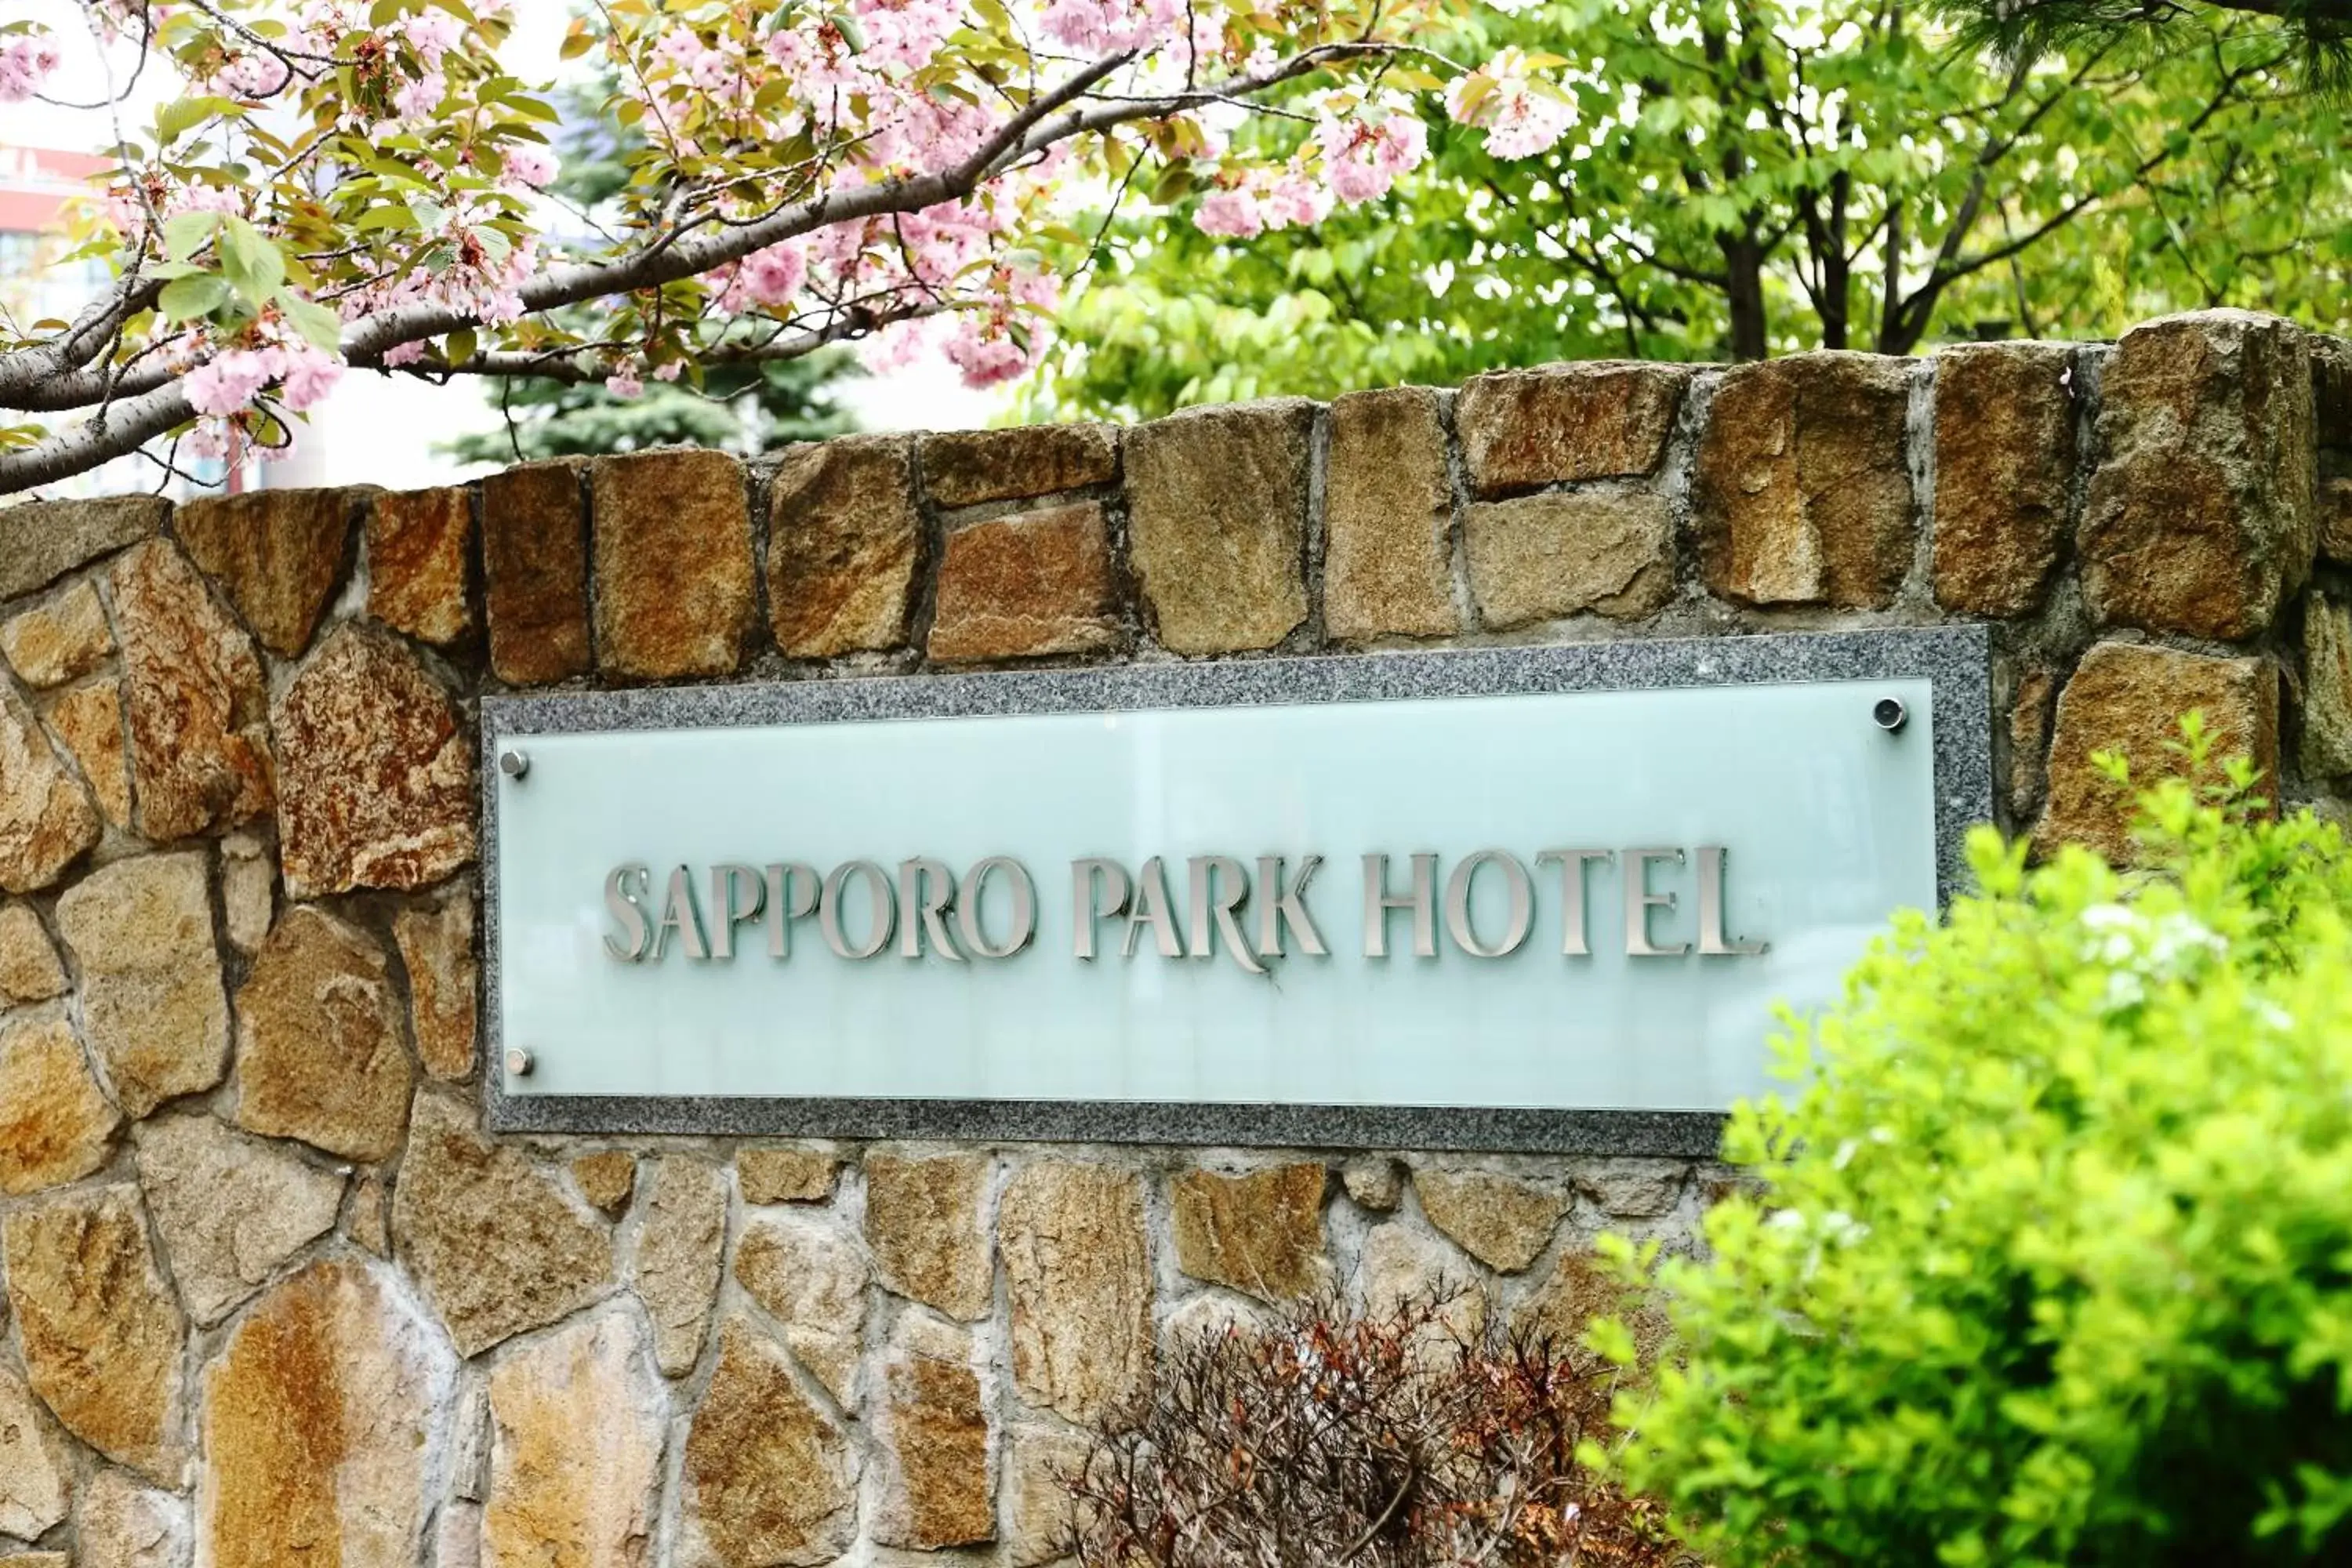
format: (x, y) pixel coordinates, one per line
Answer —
(2050, 1258)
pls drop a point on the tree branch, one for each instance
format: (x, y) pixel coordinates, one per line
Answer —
(1054, 117)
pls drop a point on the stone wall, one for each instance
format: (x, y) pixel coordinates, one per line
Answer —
(273, 1296)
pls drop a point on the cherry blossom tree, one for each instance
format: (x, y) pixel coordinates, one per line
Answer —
(340, 186)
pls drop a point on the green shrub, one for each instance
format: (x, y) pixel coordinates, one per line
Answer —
(2049, 1255)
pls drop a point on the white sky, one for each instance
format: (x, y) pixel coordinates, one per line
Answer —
(381, 429)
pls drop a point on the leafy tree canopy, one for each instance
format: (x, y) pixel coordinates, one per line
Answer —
(1754, 177)
(327, 185)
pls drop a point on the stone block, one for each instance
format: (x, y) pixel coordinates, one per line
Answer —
(1026, 586)
(1260, 1231)
(1388, 519)
(35, 1464)
(1523, 429)
(86, 720)
(768, 1479)
(42, 541)
(2005, 422)
(2028, 738)
(496, 1246)
(810, 1276)
(967, 468)
(55, 1124)
(680, 1238)
(576, 1451)
(843, 538)
(320, 1421)
(118, 1523)
(1800, 488)
(935, 1442)
(607, 1179)
(248, 885)
(924, 1228)
(786, 1175)
(1404, 1270)
(1631, 1188)
(376, 771)
(2333, 512)
(1580, 1288)
(1375, 1181)
(152, 1003)
(104, 1343)
(1077, 1272)
(29, 970)
(194, 698)
(2199, 517)
(1216, 503)
(437, 947)
(2326, 749)
(279, 555)
(673, 552)
(46, 816)
(1040, 1516)
(54, 641)
(1502, 1223)
(1540, 557)
(230, 1210)
(535, 573)
(320, 1053)
(419, 554)
(2129, 697)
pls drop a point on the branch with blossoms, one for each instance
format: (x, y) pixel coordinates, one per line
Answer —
(338, 187)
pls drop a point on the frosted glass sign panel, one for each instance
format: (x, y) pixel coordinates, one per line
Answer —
(1468, 898)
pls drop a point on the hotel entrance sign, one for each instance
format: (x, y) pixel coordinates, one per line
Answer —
(1522, 898)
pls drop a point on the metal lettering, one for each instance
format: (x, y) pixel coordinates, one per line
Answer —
(1379, 902)
(1711, 942)
(1573, 943)
(1278, 906)
(791, 896)
(680, 915)
(724, 879)
(828, 909)
(1025, 908)
(626, 910)
(1084, 911)
(1520, 920)
(1209, 872)
(1640, 901)
(920, 912)
(1151, 906)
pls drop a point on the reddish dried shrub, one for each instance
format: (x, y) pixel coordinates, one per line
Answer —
(1390, 1440)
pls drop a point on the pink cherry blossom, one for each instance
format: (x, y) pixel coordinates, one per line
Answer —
(309, 375)
(1365, 154)
(417, 99)
(432, 34)
(251, 76)
(228, 382)
(1519, 119)
(1230, 215)
(25, 63)
(623, 383)
(774, 275)
(532, 165)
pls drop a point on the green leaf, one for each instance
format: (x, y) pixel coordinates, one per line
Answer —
(250, 261)
(320, 327)
(459, 347)
(176, 118)
(199, 294)
(185, 233)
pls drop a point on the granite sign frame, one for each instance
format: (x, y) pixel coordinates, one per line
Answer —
(1956, 659)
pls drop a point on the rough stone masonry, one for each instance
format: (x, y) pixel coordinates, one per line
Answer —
(273, 1295)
